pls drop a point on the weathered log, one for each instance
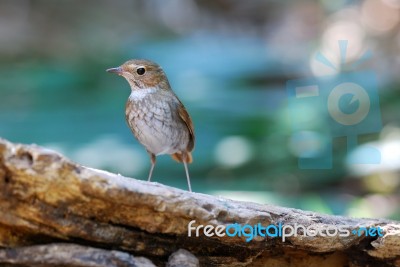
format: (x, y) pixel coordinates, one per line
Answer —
(69, 255)
(46, 199)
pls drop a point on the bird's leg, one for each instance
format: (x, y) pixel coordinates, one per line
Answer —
(186, 170)
(153, 163)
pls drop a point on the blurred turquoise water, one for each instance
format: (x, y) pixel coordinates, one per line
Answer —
(70, 106)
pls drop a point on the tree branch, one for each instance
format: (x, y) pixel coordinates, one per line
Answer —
(47, 199)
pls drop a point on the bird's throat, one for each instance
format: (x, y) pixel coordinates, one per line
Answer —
(139, 94)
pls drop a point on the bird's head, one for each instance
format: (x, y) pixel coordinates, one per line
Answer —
(142, 74)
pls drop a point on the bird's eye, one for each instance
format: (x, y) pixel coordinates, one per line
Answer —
(140, 71)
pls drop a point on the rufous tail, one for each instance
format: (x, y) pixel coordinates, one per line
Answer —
(179, 157)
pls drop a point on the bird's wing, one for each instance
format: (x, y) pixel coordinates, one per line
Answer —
(184, 115)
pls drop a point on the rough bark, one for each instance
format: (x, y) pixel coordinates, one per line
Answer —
(72, 215)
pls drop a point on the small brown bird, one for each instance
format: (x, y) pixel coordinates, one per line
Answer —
(156, 116)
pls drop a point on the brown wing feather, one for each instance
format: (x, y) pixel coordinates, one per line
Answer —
(184, 115)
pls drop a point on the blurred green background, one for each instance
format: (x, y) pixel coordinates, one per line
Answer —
(228, 61)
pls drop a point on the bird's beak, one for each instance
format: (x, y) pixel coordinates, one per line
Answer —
(117, 70)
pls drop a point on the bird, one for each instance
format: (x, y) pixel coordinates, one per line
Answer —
(155, 115)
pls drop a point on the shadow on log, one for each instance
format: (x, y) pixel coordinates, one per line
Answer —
(57, 213)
